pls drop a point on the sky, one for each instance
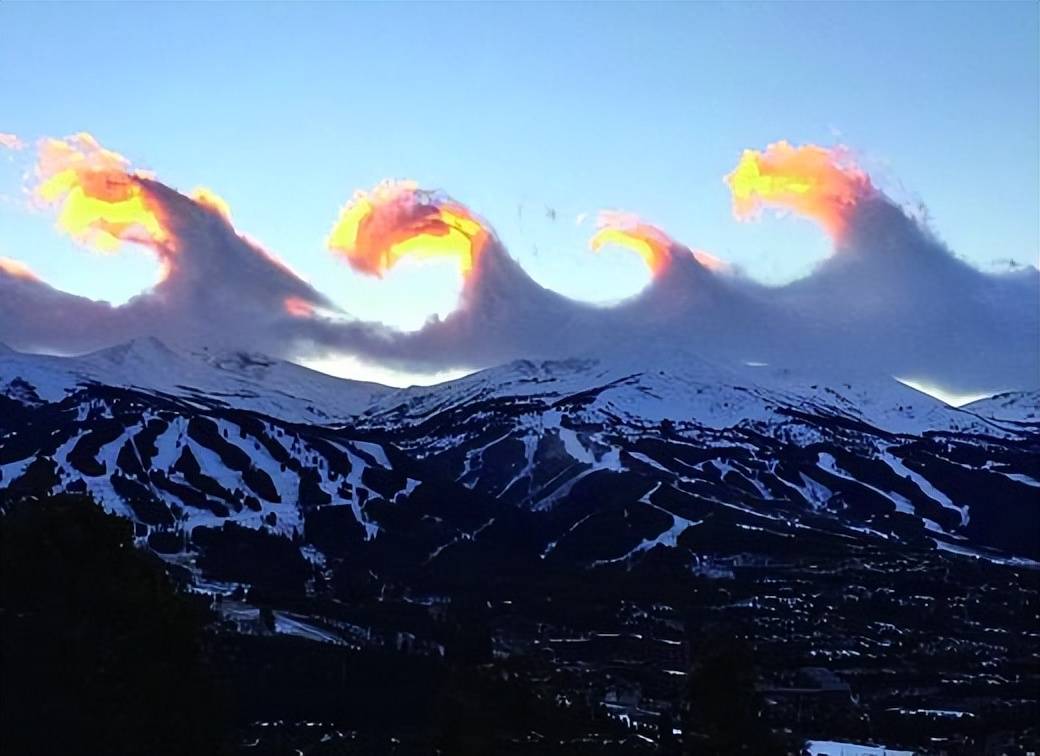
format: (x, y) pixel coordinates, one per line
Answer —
(533, 115)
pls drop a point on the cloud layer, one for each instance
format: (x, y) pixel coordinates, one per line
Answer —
(890, 298)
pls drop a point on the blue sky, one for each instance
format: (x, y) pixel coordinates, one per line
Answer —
(514, 108)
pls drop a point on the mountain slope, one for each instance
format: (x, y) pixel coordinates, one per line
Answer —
(1020, 408)
(677, 387)
(593, 462)
(538, 434)
(237, 379)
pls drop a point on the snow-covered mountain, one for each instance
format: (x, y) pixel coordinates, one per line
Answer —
(680, 387)
(1021, 409)
(585, 461)
(238, 379)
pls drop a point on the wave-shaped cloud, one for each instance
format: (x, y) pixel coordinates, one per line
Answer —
(215, 286)
(891, 298)
(657, 249)
(823, 184)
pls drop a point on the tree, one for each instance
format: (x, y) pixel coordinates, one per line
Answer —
(99, 653)
(724, 706)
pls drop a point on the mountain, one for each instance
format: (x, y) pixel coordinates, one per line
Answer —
(179, 441)
(585, 523)
(238, 379)
(678, 386)
(1020, 409)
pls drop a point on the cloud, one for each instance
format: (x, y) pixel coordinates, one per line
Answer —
(216, 287)
(102, 202)
(891, 299)
(11, 141)
(657, 249)
(823, 184)
(209, 198)
(17, 269)
(397, 219)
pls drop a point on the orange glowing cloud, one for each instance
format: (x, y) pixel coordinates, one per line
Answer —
(820, 183)
(17, 269)
(102, 201)
(210, 199)
(10, 141)
(397, 219)
(649, 242)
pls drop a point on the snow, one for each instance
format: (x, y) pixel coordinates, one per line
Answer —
(978, 554)
(357, 470)
(375, 451)
(645, 498)
(263, 384)
(476, 455)
(837, 748)
(932, 525)
(572, 444)
(645, 392)
(101, 486)
(881, 401)
(814, 492)
(1013, 406)
(561, 491)
(668, 537)
(212, 466)
(635, 388)
(285, 482)
(410, 485)
(287, 624)
(549, 549)
(458, 538)
(595, 407)
(948, 713)
(1024, 479)
(922, 483)
(14, 470)
(166, 443)
(867, 531)
(530, 441)
(647, 460)
(830, 464)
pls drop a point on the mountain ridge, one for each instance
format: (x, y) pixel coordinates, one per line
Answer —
(265, 384)
(551, 437)
(150, 364)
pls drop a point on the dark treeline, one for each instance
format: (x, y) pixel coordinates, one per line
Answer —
(103, 654)
(100, 654)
